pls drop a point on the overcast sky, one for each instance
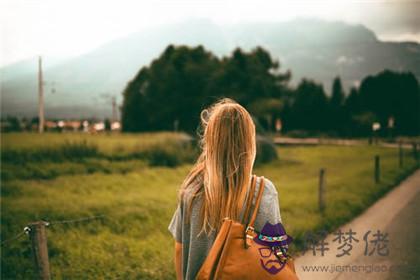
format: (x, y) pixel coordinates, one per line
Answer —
(66, 28)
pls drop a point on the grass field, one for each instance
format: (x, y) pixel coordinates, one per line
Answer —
(115, 143)
(138, 200)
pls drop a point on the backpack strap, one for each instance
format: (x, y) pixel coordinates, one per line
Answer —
(248, 202)
(257, 203)
(250, 226)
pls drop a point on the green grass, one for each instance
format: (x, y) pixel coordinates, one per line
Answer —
(29, 156)
(132, 241)
(107, 144)
(349, 183)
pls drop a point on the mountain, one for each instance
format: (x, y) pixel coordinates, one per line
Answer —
(309, 48)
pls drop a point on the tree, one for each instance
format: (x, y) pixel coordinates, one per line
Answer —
(362, 122)
(393, 94)
(13, 124)
(336, 106)
(107, 124)
(171, 89)
(267, 109)
(337, 96)
(184, 80)
(309, 110)
(352, 108)
(352, 102)
(247, 77)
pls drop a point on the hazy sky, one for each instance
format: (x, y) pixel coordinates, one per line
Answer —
(65, 28)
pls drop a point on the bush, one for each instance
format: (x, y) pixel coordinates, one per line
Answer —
(169, 153)
(266, 150)
(301, 134)
(66, 151)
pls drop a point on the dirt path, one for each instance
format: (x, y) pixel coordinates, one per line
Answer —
(397, 215)
(333, 141)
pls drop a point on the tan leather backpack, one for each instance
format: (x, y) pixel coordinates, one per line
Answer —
(235, 255)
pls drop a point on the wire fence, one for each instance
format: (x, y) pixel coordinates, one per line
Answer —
(38, 237)
(27, 229)
(36, 231)
(85, 219)
(16, 237)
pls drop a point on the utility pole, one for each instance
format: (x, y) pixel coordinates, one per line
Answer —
(40, 97)
(114, 110)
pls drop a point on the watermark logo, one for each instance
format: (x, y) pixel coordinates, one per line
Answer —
(375, 242)
(275, 242)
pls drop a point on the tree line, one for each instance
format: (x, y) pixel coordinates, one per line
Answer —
(170, 93)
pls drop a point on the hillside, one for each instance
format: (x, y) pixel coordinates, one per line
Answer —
(309, 48)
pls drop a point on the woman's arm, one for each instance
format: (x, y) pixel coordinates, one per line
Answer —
(178, 260)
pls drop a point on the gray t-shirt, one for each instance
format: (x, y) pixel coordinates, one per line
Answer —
(195, 250)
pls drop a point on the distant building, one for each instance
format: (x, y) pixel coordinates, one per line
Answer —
(100, 126)
(69, 125)
(14, 124)
(115, 126)
(50, 125)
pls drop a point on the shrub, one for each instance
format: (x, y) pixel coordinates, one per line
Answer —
(266, 150)
(169, 154)
(66, 151)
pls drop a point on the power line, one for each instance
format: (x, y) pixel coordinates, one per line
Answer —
(40, 97)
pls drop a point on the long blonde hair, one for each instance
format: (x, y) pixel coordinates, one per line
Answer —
(223, 170)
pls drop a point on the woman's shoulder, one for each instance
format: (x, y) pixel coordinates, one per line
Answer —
(269, 187)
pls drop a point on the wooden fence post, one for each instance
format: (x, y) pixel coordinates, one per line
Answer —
(377, 174)
(415, 153)
(401, 153)
(321, 190)
(40, 249)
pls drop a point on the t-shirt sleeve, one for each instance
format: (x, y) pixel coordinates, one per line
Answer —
(274, 207)
(175, 226)
(269, 210)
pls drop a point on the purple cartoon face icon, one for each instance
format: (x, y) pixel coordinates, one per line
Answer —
(275, 243)
(270, 264)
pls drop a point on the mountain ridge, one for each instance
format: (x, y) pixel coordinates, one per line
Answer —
(310, 48)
